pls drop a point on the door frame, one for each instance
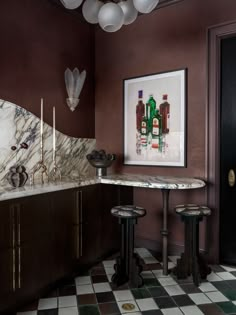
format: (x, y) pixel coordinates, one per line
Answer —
(215, 35)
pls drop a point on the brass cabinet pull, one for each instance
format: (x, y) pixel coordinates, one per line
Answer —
(81, 221)
(13, 248)
(19, 245)
(231, 178)
(76, 225)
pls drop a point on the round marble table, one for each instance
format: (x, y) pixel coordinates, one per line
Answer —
(165, 183)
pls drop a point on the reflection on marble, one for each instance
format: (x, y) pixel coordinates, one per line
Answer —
(17, 125)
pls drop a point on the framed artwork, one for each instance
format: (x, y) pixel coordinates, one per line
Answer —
(155, 119)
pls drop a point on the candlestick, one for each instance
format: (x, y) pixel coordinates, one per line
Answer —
(54, 133)
(41, 125)
(56, 170)
(41, 130)
(40, 166)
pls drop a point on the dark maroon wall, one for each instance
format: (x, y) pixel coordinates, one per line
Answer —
(173, 37)
(38, 42)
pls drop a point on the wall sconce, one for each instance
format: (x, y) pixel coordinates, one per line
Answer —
(74, 83)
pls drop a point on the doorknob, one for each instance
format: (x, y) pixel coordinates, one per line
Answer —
(231, 178)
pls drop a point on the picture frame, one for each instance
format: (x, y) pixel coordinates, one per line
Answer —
(155, 119)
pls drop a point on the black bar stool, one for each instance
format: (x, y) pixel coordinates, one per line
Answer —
(128, 266)
(191, 261)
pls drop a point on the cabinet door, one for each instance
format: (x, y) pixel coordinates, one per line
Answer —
(7, 256)
(34, 244)
(65, 232)
(90, 221)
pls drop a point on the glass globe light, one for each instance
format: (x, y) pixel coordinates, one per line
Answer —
(90, 10)
(110, 17)
(130, 13)
(145, 6)
(71, 4)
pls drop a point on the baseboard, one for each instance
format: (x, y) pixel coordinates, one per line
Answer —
(173, 249)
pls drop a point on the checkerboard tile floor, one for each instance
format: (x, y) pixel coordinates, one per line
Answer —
(94, 294)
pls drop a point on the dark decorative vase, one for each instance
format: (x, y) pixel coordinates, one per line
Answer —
(17, 176)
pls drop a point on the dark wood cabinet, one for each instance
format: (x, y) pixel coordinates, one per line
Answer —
(26, 227)
(34, 245)
(90, 221)
(46, 237)
(65, 230)
(7, 255)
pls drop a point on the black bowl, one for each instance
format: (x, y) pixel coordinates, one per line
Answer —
(100, 163)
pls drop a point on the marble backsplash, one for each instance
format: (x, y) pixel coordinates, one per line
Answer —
(18, 125)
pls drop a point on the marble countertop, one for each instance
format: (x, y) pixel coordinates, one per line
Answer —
(145, 181)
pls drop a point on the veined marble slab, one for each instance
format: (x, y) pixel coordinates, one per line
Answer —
(18, 125)
(158, 182)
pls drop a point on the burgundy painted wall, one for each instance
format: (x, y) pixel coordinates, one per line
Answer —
(173, 37)
(38, 42)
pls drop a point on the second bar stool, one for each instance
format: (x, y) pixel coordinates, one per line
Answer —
(128, 266)
(191, 261)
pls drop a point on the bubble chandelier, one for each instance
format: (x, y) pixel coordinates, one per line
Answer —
(111, 15)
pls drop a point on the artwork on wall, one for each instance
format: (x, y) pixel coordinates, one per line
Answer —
(154, 119)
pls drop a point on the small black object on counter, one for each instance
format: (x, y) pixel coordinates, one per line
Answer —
(17, 176)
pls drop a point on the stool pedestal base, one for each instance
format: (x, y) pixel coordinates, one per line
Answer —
(191, 262)
(122, 276)
(128, 265)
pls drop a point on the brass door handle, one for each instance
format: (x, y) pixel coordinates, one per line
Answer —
(231, 178)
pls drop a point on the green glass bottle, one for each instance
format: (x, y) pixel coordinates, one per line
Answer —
(152, 111)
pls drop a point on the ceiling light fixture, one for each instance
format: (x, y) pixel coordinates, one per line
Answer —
(111, 14)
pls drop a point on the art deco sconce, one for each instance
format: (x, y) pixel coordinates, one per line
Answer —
(74, 83)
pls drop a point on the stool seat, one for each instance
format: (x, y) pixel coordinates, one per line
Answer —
(192, 210)
(128, 211)
(191, 261)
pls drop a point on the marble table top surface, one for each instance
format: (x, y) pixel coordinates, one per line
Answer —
(160, 182)
(147, 181)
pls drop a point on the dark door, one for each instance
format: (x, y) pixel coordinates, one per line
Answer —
(228, 151)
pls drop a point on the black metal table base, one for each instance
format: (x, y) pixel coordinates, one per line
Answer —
(128, 265)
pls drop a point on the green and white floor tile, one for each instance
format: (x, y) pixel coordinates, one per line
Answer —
(94, 294)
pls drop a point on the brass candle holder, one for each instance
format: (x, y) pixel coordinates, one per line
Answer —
(56, 173)
(40, 166)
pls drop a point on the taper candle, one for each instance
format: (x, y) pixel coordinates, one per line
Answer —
(41, 129)
(54, 129)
